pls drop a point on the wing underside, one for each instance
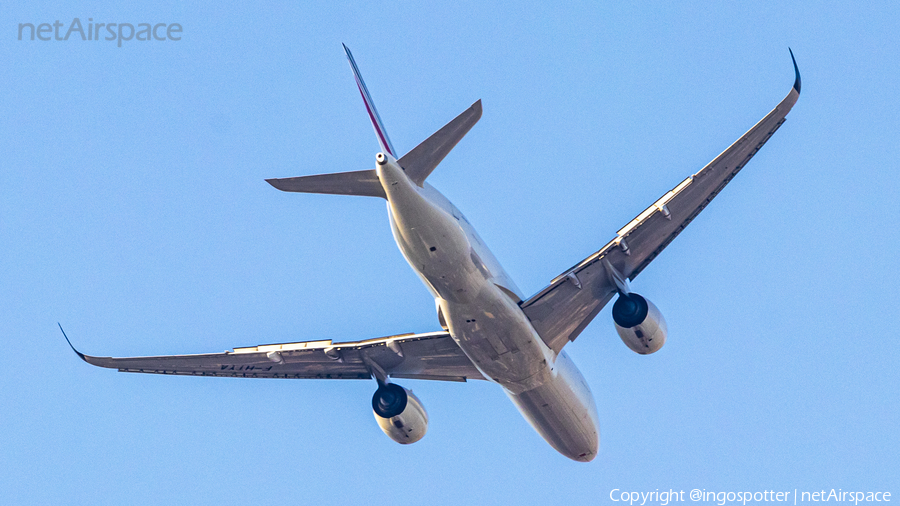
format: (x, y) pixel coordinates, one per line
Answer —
(563, 309)
(432, 356)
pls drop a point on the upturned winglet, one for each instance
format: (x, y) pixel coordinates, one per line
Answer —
(796, 72)
(80, 355)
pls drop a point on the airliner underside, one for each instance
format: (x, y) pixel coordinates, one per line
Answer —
(489, 330)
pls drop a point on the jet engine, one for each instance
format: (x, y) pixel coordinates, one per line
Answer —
(399, 413)
(639, 323)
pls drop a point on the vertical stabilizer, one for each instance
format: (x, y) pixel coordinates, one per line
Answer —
(380, 132)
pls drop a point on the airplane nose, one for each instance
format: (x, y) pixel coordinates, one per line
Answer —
(586, 450)
(588, 456)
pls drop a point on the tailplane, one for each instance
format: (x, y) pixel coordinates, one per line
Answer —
(423, 159)
(418, 163)
(362, 182)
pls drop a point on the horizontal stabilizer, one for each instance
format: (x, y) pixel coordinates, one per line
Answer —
(422, 160)
(361, 182)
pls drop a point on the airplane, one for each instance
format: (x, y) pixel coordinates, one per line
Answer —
(489, 330)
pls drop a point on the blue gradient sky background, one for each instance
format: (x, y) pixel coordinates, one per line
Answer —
(133, 210)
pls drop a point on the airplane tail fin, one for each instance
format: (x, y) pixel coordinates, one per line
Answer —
(418, 163)
(423, 159)
(383, 140)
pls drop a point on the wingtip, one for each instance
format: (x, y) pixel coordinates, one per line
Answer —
(277, 183)
(477, 108)
(796, 72)
(80, 355)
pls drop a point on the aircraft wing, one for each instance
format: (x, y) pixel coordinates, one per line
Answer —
(433, 356)
(563, 309)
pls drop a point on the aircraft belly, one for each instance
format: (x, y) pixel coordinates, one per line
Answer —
(433, 243)
(563, 412)
(494, 333)
(485, 321)
(548, 390)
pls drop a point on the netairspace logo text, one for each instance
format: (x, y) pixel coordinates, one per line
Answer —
(94, 31)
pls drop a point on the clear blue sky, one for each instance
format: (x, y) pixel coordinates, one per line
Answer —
(133, 210)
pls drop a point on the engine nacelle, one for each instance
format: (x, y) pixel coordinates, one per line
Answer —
(399, 413)
(639, 323)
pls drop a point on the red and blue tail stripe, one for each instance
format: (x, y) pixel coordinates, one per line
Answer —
(383, 140)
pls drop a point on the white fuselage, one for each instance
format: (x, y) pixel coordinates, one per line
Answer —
(479, 303)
